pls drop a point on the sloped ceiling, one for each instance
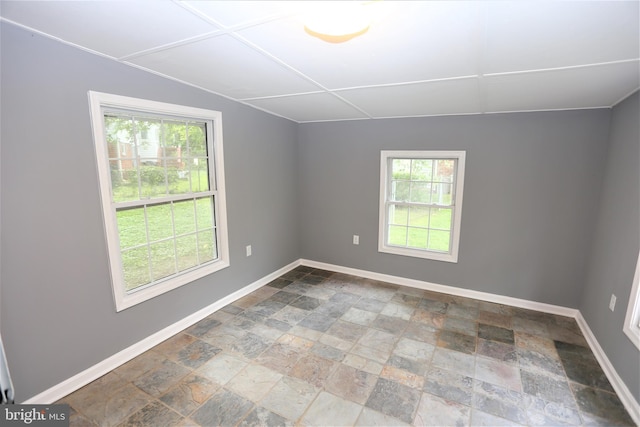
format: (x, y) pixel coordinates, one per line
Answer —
(416, 59)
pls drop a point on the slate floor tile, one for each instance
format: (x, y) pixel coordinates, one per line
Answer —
(159, 380)
(195, 354)
(370, 418)
(549, 388)
(498, 373)
(602, 404)
(454, 361)
(222, 368)
(263, 417)
(313, 369)
(330, 410)
(449, 385)
(189, 394)
(457, 341)
(253, 382)
(495, 333)
(223, 409)
(154, 414)
(290, 397)
(436, 411)
(394, 399)
(496, 350)
(350, 383)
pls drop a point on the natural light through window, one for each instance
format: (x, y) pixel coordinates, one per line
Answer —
(162, 186)
(420, 203)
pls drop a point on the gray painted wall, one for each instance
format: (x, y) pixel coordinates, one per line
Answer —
(58, 315)
(531, 184)
(615, 247)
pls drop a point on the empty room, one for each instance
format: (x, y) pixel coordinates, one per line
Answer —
(320, 213)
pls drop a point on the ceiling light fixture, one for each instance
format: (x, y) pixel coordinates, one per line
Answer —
(337, 21)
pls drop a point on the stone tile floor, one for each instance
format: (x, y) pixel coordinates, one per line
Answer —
(316, 348)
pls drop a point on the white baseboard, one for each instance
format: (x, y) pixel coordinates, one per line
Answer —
(618, 385)
(452, 290)
(83, 378)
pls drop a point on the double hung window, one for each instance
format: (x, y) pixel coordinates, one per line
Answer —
(420, 203)
(161, 175)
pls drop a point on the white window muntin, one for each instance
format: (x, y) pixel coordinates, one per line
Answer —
(101, 102)
(387, 156)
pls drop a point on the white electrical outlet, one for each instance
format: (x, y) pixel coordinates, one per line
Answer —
(356, 239)
(612, 302)
(248, 250)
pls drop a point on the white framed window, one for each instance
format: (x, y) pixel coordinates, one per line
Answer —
(161, 174)
(421, 203)
(632, 319)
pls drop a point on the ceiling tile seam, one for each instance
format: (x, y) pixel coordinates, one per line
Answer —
(568, 67)
(413, 82)
(58, 39)
(171, 45)
(384, 85)
(351, 104)
(456, 114)
(482, 48)
(232, 28)
(288, 95)
(175, 79)
(278, 61)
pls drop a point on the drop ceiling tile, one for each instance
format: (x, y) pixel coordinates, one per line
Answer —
(460, 96)
(229, 13)
(411, 41)
(114, 28)
(226, 66)
(585, 87)
(309, 107)
(539, 35)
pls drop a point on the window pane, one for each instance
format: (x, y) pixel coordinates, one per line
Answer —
(441, 218)
(184, 215)
(163, 259)
(401, 169)
(417, 238)
(197, 140)
(400, 191)
(445, 170)
(135, 263)
(442, 194)
(439, 240)
(397, 235)
(160, 222)
(122, 164)
(175, 133)
(419, 217)
(132, 230)
(421, 192)
(398, 215)
(152, 178)
(187, 250)
(205, 212)
(199, 174)
(206, 246)
(421, 169)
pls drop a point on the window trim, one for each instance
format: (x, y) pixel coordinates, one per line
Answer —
(632, 319)
(99, 101)
(385, 156)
